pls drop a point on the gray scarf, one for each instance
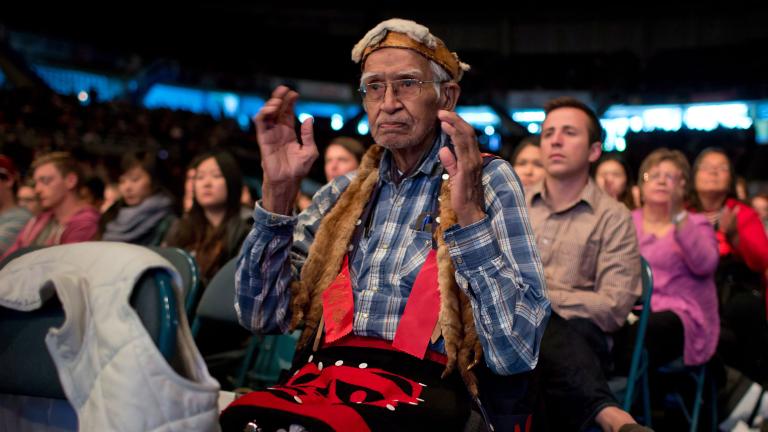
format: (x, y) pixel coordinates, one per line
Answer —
(132, 223)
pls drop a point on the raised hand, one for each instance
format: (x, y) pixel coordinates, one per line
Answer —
(284, 160)
(465, 168)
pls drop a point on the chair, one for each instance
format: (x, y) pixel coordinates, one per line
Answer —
(626, 388)
(700, 376)
(218, 303)
(275, 352)
(27, 368)
(186, 265)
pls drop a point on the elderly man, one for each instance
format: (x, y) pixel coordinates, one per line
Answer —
(409, 270)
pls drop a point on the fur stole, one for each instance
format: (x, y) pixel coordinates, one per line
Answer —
(330, 246)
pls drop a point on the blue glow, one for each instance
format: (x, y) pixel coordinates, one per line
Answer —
(636, 123)
(244, 121)
(82, 96)
(479, 116)
(175, 97)
(668, 119)
(337, 122)
(362, 127)
(708, 117)
(303, 116)
(230, 103)
(72, 81)
(528, 116)
(489, 130)
(534, 128)
(328, 109)
(494, 143)
(621, 144)
(2, 78)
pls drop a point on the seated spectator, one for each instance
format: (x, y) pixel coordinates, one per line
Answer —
(613, 176)
(111, 196)
(760, 204)
(591, 261)
(144, 213)
(12, 217)
(27, 197)
(213, 229)
(65, 217)
(189, 185)
(342, 155)
(743, 248)
(682, 251)
(92, 192)
(526, 161)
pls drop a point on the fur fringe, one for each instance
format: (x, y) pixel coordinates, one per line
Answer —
(330, 246)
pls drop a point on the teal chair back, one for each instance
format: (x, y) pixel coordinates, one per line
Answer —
(626, 390)
(187, 267)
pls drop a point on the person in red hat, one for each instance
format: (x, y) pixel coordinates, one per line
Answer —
(12, 217)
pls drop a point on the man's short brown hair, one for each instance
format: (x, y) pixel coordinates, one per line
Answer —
(594, 128)
(64, 162)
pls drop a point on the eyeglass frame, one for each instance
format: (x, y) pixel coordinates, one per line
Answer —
(363, 89)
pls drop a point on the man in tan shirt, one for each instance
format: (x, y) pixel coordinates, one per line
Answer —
(591, 261)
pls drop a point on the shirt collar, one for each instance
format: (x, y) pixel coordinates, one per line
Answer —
(589, 194)
(429, 165)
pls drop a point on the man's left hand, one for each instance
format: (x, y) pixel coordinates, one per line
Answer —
(465, 168)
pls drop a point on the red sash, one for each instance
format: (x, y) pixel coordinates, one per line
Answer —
(419, 317)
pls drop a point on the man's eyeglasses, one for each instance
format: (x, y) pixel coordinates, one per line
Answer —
(404, 89)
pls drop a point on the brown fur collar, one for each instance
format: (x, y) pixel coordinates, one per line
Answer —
(330, 246)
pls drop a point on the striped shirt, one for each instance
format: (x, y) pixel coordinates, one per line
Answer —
(590, 255)
(496, 262)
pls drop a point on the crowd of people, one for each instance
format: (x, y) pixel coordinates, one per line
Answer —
(421, 256)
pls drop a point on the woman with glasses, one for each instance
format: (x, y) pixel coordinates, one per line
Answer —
(743, 248)
(682, 252)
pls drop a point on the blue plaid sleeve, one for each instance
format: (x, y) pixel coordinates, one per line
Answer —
(498, 267)
(272, 256)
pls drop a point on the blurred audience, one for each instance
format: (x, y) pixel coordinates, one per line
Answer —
(111, 196)
(681, 249)
(213, 229)
(743, 249)
(27, 197)
(66, 218)
(526, 160)
(144, 213)
(760, 204)
(12, 217)
(612, 175)
(342, 155)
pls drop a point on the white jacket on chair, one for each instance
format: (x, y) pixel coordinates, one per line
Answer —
(109, 367)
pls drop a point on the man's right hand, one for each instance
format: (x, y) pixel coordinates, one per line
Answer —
(284, 160)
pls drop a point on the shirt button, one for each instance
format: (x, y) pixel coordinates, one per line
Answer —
(350, 247)
(364, 315)
(459, 260)
(358, 222)
(385, 246)
(545, 241)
